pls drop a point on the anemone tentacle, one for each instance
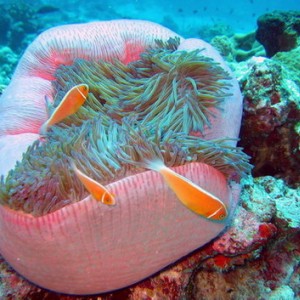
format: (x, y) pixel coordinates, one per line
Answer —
(163, 85)
(105, 153)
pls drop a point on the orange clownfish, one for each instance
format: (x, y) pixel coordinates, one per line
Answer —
(69, 105)
(191, 195)
(97, 190)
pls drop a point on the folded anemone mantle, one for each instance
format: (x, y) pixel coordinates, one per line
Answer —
(85, 247)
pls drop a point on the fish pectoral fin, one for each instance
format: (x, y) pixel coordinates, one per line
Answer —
(194, 197)
(98, 191)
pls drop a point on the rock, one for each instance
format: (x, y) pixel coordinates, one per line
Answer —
(278, 31)
(270, 126)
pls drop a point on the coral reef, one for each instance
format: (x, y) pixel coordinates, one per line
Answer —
(238, 47)
(208, 32)
(8, 62)
(271, 199)
(278, 31)
(18, 23)
(270, 126)
(13, 286)
(291, 61)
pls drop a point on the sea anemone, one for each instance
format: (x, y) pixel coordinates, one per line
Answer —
(164, 103)
(167, 94)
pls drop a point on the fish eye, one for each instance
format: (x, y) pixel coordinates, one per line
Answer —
(221, 217)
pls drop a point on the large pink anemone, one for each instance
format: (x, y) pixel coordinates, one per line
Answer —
(85, 247)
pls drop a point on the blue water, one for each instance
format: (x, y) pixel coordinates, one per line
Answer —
(188, 18)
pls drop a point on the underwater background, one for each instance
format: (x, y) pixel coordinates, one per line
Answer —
(259, 256)
(22, 21)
